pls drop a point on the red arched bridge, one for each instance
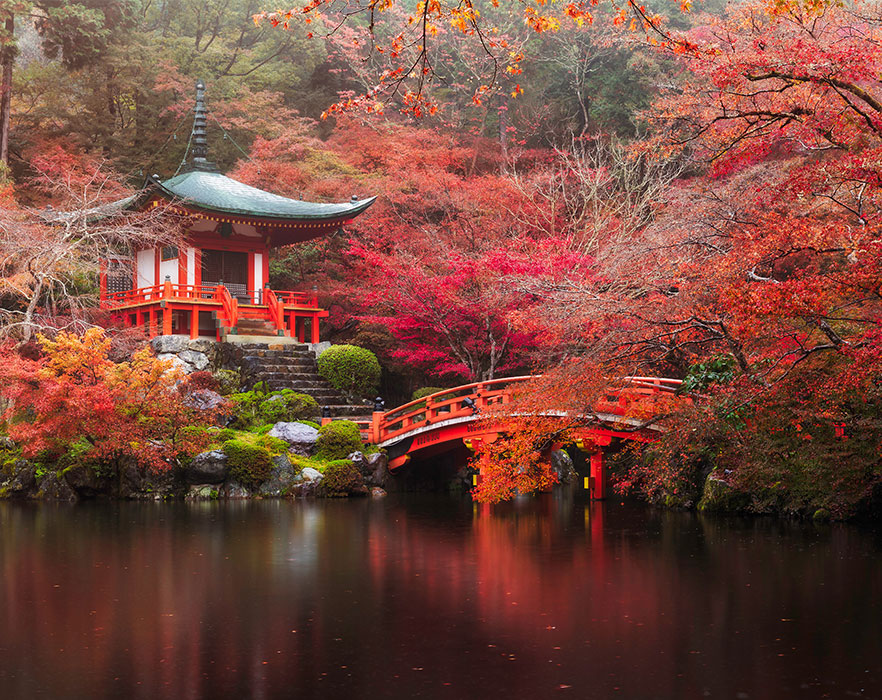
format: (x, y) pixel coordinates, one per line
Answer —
(454, 417)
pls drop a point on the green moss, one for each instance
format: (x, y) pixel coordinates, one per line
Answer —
(341, 479)
(250, 464)
(258, 408)
(310, 423)
(299, 462)
(720, 497)
(337, 440)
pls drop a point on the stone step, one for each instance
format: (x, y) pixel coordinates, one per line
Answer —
(278, 355)
(296, 366)
(361, 413)
(264, 340)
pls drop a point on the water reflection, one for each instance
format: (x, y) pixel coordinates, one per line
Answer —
(433, 598)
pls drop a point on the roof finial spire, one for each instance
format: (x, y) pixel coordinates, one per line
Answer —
(200, 122)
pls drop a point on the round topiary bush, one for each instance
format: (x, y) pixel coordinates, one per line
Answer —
(353, 370)
(341, 478)
(250, 464)
(338, 440)
(425, 391)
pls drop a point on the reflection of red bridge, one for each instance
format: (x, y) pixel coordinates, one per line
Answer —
(474, 413)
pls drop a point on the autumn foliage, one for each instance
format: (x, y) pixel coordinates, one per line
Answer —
(75, 403)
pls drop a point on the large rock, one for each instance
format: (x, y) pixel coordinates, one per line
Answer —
(280, 480)
(562, 465)
(299, 436)
(23, 483)
(373, 467)
(83, 479)
(199, 360)
(204, 399)
(203, 492)
(720, 497)
(207, 468)
(169, 344)
(203, 345)
(176, 362)
(54, 488)
(310, 475)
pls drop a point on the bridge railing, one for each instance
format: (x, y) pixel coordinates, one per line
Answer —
(469, 399)
(465, 400)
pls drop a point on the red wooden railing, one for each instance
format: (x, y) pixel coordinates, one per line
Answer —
(204, 292)
(275, 303)
(275, 308)
(230, 306)
(305, 299)
(448, 404)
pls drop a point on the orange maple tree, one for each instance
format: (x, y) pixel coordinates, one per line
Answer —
(74, 402)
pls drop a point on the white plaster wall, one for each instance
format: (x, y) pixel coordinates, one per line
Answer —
(146, 267)
(258, 271)
(170, 268)
(191, 266)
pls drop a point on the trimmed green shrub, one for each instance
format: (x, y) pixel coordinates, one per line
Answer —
(341, 478)
(425, 391)
(353, 370)
(250, 463)
(337, 440)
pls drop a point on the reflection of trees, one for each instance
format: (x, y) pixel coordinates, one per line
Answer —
(209, 600)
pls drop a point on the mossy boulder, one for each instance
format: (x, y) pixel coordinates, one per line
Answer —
(250, 463)
(338, 440)
(341, 478)
(720, 497)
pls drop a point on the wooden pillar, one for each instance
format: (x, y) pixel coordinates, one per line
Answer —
(151, 322)
(315, 329)
(167, 320)
(598, 476)
(252, 296)
(194, 322)
(301, 330)
(139, 319)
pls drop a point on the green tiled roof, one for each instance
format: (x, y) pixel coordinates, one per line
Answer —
(215, 192)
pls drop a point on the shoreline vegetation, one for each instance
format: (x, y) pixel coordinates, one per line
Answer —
(81, 425)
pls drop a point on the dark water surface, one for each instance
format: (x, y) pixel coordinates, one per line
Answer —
(424, 597)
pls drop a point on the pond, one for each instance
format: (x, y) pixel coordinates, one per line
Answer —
(432, 597)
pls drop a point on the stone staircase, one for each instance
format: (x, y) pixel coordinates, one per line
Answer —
(289, 365)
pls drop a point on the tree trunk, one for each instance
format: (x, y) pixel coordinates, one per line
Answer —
(7, 59)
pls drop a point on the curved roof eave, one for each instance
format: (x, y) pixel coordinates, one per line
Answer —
(213, 192)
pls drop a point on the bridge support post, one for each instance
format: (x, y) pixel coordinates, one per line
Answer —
(598, 476)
